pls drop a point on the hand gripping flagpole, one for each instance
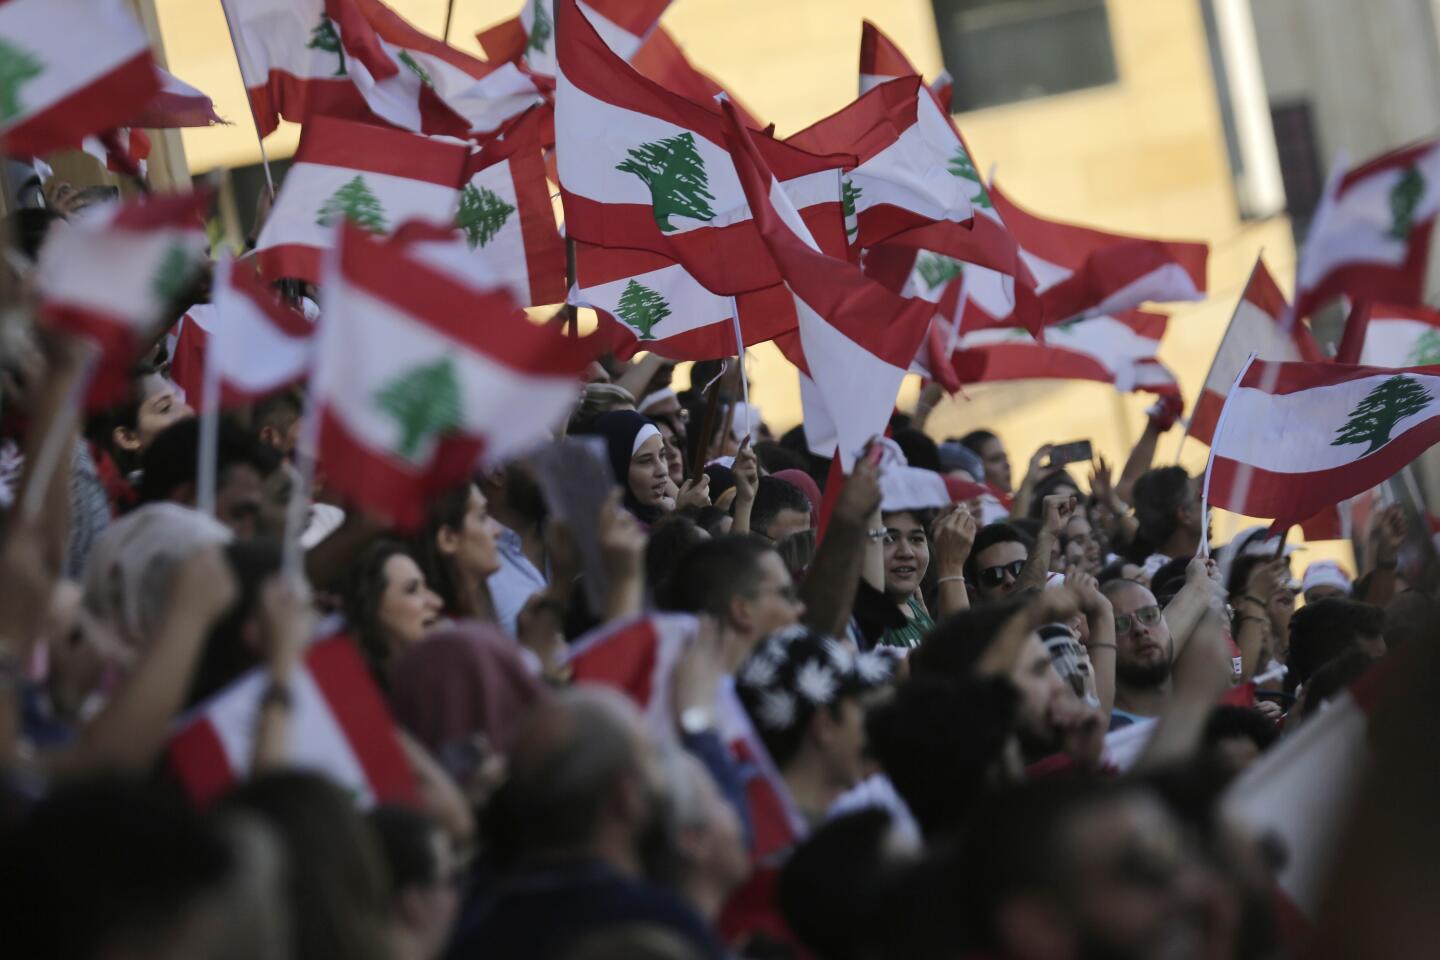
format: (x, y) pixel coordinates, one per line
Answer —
(1242, 476)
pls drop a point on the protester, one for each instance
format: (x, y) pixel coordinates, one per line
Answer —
(389, 603)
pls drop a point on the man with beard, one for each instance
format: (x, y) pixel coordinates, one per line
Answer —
(1144, 653)
(574, 829)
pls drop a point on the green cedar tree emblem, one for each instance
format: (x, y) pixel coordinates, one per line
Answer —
(1374, 417)
(849, 193)
(177, 268)
(1404, 198)
(642, 308)
(963, 167)
(356, 203)
(482, 214)
(324, 37)
(936, 269)
(415, 68)
(541, 29)
(424, 401)
(675, 173)
(17, 68)
(1425, 351)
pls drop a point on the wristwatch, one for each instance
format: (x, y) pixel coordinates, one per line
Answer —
(695, 721)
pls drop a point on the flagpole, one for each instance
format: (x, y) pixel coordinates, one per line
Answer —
(740, 354)
(235, 45)
(449, 12)
(1243, 474)
(205, 470)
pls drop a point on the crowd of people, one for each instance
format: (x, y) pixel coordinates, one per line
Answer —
(935, 685)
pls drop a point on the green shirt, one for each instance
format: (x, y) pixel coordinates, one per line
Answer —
(913, 632)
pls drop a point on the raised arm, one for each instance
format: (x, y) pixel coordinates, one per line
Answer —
(829, 587)
(1059, 507)
(953, 535)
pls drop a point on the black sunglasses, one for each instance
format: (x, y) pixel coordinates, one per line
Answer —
(994, 576)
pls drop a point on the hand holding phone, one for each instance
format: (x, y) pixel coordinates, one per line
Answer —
(1073, 452)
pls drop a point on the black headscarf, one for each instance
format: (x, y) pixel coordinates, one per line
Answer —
(620, 430)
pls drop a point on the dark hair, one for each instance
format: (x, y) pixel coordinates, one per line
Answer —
(170, 461)
(274, 409)
(1159, 494)
(975, 440)
(711, 574)
(1321, 631)
(1228, 722)
(818, 467)
(100, 426)
(406, 839)
(226, 656)
(1334, 676)
(28, 227)
(1051, 485)
(336, 878)
(956, 643)
(444, 511)
(773, 458)
(711, 519)
(920, 451)
(939, 739)
(1111, 571)
(989, 535)
(98, 862)
(672, 536)
(1169, 579)
(771, 496)
(363, 595)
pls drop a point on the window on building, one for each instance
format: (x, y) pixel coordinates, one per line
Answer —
(1004, 51)
(1299, 152)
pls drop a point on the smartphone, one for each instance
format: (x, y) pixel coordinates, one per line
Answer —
(1077, 451)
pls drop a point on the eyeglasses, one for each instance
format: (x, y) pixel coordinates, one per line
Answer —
(994, 576)
(1149, 616)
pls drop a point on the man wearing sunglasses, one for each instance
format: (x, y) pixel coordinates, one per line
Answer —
(996, 560)
(1144, 653)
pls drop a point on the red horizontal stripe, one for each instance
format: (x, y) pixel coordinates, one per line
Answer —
(288, 321)
(1033, 361)
(1403, 283)
(1395, 159)
(487, 322)
(879, 56)
(118, 349)
(1206, 416)
(636, 17)
(1295, 377)
(1263, 292)
(344, 681)
(360, 146)
(109, 100)
(199, 762)
(290, 260)
(880, 222)
(865, 126)
(764, 315)
(1381, 312)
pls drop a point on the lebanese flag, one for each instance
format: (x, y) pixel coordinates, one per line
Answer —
(529, 38)
(257, 344)
(647, 302)
(661, 59)
(339, 727)
(644, 168)
(857, 337)
(638, 657)
(1259, 326)
(1119, 350)
(419, 375)
(371, 176)
(1384, 335)
(111, 274)
(69, 68)
(881, 60)
(1300, 793)
(176, 104)
(1370, 239)
(1295, 438)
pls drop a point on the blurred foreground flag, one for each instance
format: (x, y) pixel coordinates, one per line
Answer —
(419, 376)
(176, 104)
(69, 68)
(1384, 335)
(1370, 238)
(530, 37)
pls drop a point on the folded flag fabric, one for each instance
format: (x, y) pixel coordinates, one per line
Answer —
(1119, 349)
(1384, 335)
(256, 343)
(372, 177)
(858, 338)
(112, 274)
(60, 81)
(340, 727)
(416, 376)
(1295, 438)
(530, 37)
(176, 104)
(1259, 326)
(1370, 238)
(644, 168)
(882, 60)
(661, 59)
(647, 302)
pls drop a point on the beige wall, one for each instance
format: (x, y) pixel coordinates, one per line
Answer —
(1145, 154)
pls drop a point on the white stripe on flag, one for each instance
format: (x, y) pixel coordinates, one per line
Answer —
(309, 186)
(249, 353)
(74, 43)
(691, 305)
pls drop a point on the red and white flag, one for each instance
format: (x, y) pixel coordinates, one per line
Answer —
(530, 37)
(373, 177)
(111, 274)
(644, 168)
(1258, 326)
(339, 727)
(1298, 796)
(1120, 350)
(418, 376)
(857, 337)
(661, 59)
(256, 343)
(1296, 438)
(911, 170)
(69, 68)
(1384, 335)
(176, 104)
(1370, 238)
(648, 302)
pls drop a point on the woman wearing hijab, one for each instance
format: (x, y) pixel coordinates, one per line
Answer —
(637, 460)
